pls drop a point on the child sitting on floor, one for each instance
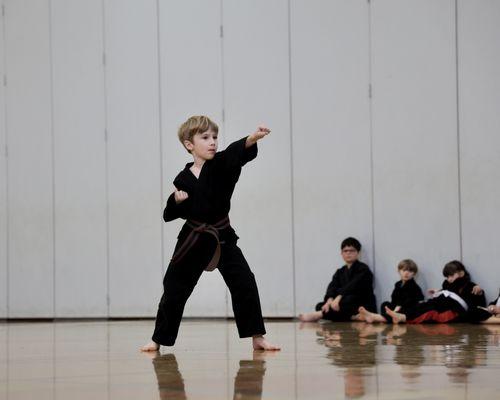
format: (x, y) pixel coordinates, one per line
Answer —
(350, 288)
(406, 294)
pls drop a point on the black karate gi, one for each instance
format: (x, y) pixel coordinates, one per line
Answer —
(405, 295)
(209, 202)
(355, 286)
(482, 315)
(444, 309)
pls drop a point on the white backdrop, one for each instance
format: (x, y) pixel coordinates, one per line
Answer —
(385, 127)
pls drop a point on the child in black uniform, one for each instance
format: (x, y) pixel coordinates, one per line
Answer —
(207, 241)
(406, 294)
(457, 301)
(490, 315)
(350, 288)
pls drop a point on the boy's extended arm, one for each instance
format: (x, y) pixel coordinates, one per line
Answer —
(261, 132)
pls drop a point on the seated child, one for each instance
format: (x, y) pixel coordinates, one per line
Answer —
(455, 302)
(350, 288)
(406, 294)
(492, 314)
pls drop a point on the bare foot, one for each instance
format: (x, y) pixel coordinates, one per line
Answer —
(371, 317)
(259, 343)
(396, 317)
(311, 317)
(358, 317)
(151, 346)
(363, 312)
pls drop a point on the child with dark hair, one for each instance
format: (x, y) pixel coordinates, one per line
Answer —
(350, 288)
(406, 294)
(455, 302)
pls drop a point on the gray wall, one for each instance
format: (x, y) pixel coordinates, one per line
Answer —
(385, 127)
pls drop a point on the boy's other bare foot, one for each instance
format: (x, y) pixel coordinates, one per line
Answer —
(151, 346)
(371, 317)
(358, 317)
(311, 317)
(365, 314)
(259, 343)
(396, 317)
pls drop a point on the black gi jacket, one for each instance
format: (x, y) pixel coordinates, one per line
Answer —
(354, 284)
(463, 287)
(406, 295)
(210, 194)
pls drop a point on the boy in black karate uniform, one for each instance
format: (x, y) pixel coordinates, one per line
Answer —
(406, 294)
(351, 287)
(207, 241)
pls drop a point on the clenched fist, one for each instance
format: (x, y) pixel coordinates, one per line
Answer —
(180, 196)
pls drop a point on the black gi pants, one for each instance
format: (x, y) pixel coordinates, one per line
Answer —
(348, 307)
(181, 278)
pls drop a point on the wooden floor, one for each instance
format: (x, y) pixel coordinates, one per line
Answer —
(100, 360)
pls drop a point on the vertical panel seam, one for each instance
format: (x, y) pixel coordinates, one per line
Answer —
(292, 175)
(223, 112)
(54, 266)
(7, 194)
(106, 159)
(459, 172)
(370, 112)
(160, 127)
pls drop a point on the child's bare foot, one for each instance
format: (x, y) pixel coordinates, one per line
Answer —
(259, 343)
(371, 317)
(396, 317)
(311, 317)
(363, 312)
(151, 346)
(358, 317)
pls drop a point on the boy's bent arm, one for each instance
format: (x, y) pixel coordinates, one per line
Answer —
(173, 210)
(332, 289)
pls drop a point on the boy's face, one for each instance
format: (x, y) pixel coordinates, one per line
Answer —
(406, 274)
(349, 254)
(204, 145)
(455, 276)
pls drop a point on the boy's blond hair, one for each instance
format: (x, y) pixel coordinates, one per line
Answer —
(195, 124)
(409, 265)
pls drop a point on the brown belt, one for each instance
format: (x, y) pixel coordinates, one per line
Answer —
(197, 229)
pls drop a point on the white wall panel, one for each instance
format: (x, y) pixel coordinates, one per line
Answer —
(331, 139)
(30, 176)
(3, 183)
(479, 95)
(256, 84)
(133, 157)
(414, 138)
(79, 153)
(191, 84)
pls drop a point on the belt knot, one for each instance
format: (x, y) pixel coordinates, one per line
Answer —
(198, 228)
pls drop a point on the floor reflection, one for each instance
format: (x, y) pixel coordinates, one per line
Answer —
(170, 381)
(100, 360)
(247, 383)
(354, 347)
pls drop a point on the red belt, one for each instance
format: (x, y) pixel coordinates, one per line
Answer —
(197, 229)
